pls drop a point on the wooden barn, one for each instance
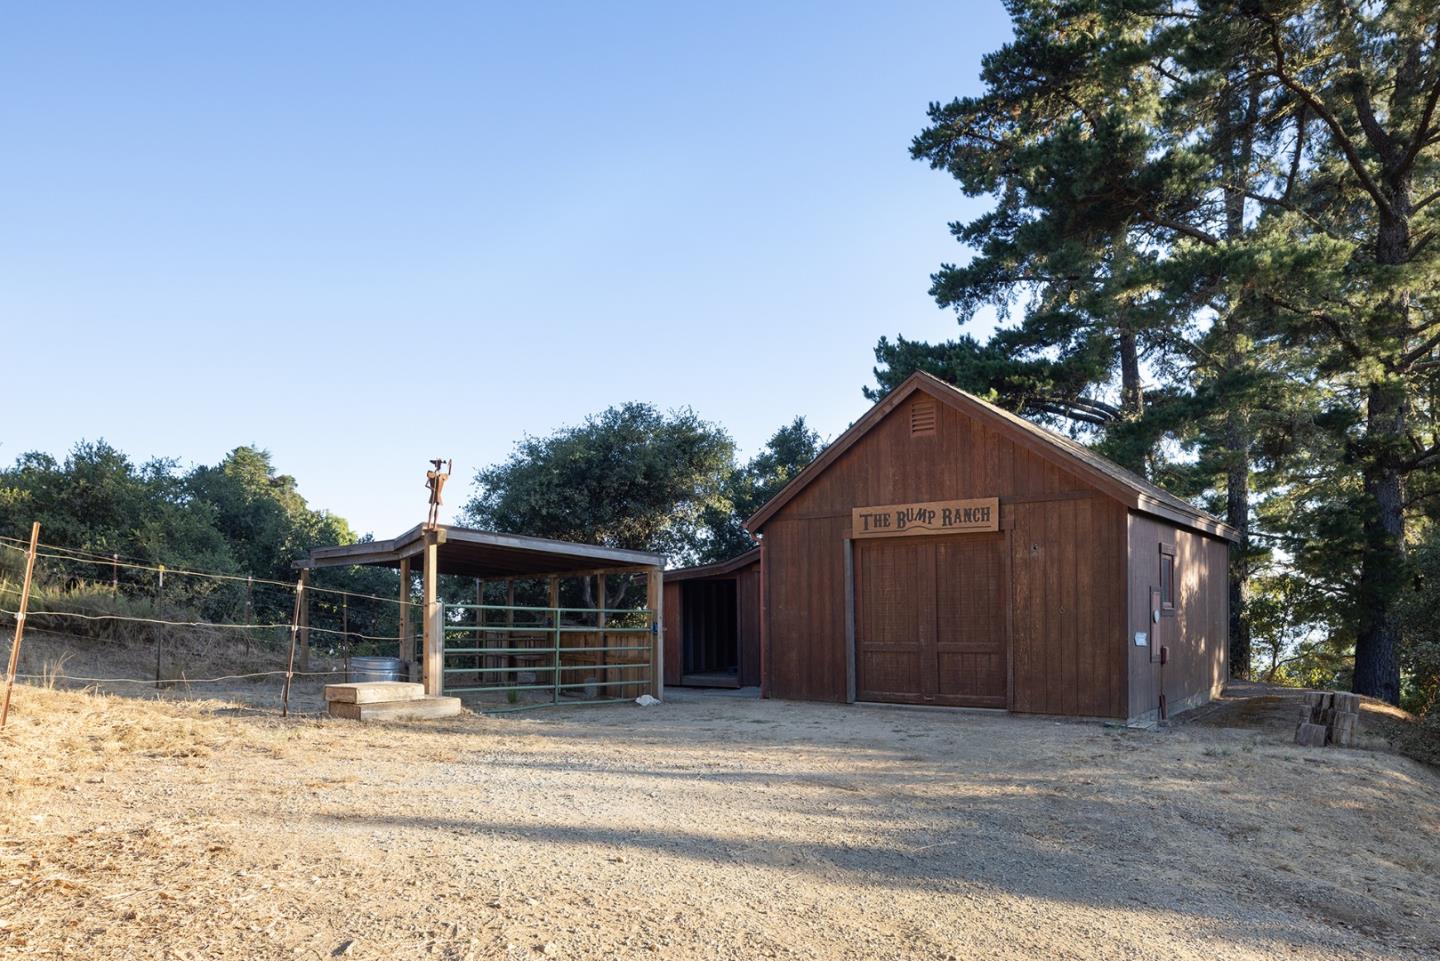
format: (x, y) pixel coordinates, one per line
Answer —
(712, 618)
(944, 551)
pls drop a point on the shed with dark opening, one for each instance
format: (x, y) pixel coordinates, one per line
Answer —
(712, 618)
(945, 551)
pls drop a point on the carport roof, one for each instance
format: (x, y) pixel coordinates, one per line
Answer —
(467, 552)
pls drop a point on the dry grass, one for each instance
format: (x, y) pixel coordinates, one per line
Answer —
(704, 828)
(1275, 710)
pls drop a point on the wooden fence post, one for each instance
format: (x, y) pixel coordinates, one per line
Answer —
(249, 610)
(345, 631)
(20, 622)
(305, 621)
(294, 639)
(160, 633)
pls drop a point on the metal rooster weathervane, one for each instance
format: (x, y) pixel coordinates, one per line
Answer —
(435, 481)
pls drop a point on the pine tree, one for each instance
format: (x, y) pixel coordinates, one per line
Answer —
(1242, 197)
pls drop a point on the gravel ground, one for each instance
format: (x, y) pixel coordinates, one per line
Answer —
(708, 827)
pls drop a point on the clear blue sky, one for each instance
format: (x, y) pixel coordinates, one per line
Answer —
(361, 235)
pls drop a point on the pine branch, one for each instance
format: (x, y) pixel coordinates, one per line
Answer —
(1332, 323)
(1337, 130)
(1286, 204)
(1422, 129)
(1295, 158)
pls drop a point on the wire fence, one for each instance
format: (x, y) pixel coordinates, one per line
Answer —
(129, 623)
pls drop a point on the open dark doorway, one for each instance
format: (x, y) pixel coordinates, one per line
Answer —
(711, 650)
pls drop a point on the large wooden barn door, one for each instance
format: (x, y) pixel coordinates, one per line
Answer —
(930, 621)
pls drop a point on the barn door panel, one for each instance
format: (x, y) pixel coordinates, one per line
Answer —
(971, 667)
(930, 621)
(894, 621)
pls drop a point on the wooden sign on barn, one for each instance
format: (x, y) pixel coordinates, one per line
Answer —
(935, 517)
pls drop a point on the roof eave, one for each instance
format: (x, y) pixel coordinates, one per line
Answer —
(718, 569)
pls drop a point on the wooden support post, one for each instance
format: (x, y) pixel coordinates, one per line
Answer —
(20, 622)
(433, 658)
(655, 600)
(305, 620)
(407, 640)
(604, 655)
(555, 673)
(114, 574)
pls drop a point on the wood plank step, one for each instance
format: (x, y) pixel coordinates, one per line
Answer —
(414, 709)
(373, 692)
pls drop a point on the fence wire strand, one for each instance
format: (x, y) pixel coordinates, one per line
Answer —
(215, 624)
(177, 681)
(85, 557)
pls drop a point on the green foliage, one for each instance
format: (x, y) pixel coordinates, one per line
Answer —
(260, 513)
(637, 478)
(238, 517)
(747, 488)
(1420, 612)
(630, 477)
(98, 500)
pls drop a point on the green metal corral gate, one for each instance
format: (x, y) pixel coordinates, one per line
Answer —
(510, 658)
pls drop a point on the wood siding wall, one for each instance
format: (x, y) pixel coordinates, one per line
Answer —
(1197, 631)
(1066, 554)
(674, 640)
(748, 597)
(1067, 604)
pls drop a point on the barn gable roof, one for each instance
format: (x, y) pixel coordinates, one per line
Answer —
(1129, 488)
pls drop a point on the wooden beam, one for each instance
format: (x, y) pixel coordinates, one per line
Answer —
(433, 661)
(586, 572)
(407, 640)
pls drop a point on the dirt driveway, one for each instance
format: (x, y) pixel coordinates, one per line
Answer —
(709, 827)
